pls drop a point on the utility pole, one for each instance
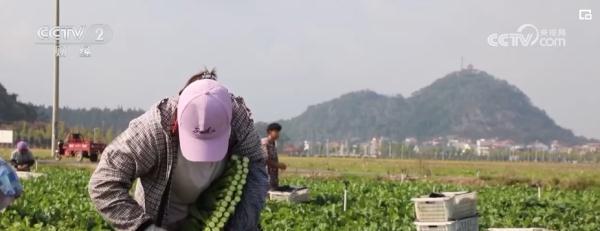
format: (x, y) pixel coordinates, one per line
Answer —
(95, 135)
(402, 151)
(327, 147)
(56, 90)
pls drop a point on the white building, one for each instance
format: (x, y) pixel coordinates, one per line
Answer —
(461, 145)
(483, 147)
(538, 147)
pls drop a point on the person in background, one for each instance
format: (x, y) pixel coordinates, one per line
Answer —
(270, 149)
(22, 158)
(176, 150)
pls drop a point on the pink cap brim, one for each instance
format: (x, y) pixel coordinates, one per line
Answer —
(204, 150)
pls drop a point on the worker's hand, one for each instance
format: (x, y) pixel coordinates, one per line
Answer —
(282, 166)
(154, 228)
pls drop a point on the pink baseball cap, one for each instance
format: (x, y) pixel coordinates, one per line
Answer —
(204, 114)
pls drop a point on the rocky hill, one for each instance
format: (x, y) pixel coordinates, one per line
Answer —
(467, 103)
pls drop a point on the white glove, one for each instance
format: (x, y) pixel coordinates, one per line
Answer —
(154, 228)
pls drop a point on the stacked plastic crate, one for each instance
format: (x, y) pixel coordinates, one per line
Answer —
(290, 194)
(447, 211)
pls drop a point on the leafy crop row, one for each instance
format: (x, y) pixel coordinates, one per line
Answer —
(386, 205)
(58, 201)
(61, 202)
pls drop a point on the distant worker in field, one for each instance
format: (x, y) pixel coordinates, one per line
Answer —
(306, 149)
(22, 158)
(176, 150)
(269, 146)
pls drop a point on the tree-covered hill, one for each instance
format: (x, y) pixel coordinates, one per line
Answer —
(354, 115)
(11, 111)
(468, 103)
(117, 119)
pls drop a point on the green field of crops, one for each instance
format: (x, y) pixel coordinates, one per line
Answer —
(386, 205)
(565, 174)
(60, 202)
(57, 201)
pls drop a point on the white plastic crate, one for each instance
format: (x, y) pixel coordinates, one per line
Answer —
(453, 206)
(295, 196)
(29, 175)
(467, 224)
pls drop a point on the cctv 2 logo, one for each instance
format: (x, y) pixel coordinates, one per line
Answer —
(93, 34)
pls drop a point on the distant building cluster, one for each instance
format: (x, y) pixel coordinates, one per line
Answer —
(442, 146)
(483, 147)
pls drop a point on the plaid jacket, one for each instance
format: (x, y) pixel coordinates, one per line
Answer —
(270, 149)
(148, 150)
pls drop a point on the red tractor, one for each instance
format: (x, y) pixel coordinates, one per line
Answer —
(77, 146)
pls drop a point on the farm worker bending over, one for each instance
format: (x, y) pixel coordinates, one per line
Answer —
(21, 158)
(176, 149)
(270, 149)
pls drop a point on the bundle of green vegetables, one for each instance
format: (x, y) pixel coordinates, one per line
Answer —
(217, 203)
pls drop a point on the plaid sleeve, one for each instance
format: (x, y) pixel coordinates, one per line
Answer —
(264, 147)
(247, 213)
(130, 155)
(248, 142)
